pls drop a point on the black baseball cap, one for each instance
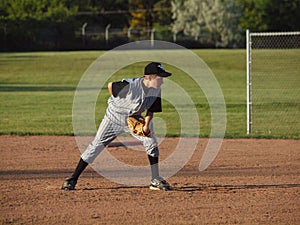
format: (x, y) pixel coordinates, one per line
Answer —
(156, 68)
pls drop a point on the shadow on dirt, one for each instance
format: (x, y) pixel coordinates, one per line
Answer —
(233, 187)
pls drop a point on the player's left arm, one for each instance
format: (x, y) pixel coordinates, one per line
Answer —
(148, 118)
(155, 107)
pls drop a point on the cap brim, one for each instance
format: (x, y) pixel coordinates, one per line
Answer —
(164, 74)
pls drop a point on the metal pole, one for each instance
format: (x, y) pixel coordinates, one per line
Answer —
(129, 32)
(249, 85)
(106, 34)
(83, 33)
(83, 29)
(152, 37)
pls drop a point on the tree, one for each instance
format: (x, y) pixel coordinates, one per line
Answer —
(103, 12)
(254, 14)
(137, 14)
(211, 21)
(142, 13)
(270, 15)
(23, 21)
(51, 10)
(163, 13)
(282, 15)
(143, 17)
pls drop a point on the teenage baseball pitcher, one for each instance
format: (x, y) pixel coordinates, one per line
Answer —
(129, 99)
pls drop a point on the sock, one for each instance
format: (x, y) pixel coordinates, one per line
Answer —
(154, 166)
(79, 169)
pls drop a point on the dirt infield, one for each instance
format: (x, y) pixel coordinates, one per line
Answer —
(252, 181)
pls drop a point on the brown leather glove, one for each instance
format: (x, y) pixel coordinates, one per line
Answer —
(136, 124)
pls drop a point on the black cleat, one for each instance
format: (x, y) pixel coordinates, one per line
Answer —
(160, 184)
(69, 184)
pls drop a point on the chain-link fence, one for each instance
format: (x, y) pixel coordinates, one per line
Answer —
(110, 37)
(274, 84)
(28, 36)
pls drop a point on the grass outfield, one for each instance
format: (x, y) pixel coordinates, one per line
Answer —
(37, 91)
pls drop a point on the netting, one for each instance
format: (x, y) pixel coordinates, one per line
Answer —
(275, 84)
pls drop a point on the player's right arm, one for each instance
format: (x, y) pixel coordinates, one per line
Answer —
(119, 88)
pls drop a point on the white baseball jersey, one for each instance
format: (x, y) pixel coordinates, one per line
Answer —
(130, 97)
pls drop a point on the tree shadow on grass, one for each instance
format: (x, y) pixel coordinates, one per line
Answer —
(44, 88)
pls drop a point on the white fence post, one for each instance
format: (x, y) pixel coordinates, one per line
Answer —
(249, 98)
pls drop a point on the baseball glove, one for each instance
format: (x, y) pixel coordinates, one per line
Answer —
(136, 124)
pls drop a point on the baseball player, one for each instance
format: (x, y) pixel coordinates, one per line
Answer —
(129, 99)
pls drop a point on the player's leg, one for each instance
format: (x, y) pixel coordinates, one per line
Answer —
(106, 133)
(151, 147)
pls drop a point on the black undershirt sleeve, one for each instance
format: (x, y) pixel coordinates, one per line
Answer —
(156, 106)
(120, 88)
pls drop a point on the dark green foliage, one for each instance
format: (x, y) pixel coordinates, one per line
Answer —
(30, 25)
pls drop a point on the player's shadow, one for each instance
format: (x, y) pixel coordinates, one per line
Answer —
(113, 188)
(232, 187)
(203, 188)
(124, 143)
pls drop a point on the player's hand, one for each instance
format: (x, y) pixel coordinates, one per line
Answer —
(146, 131)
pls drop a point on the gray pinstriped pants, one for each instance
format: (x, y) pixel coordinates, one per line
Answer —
(107, 132)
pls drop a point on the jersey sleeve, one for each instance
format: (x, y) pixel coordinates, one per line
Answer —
(120, 88)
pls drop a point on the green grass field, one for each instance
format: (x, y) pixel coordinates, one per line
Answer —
(276, 92)
(37, 91)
